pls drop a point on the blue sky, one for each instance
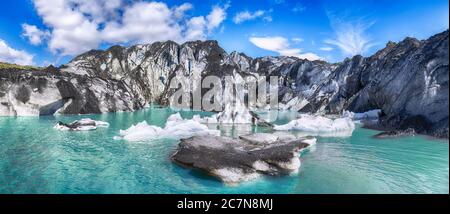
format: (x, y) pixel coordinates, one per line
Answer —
(41, 32)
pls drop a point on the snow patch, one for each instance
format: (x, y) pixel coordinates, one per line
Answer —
(103, 67)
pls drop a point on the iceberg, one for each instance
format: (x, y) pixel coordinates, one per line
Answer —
(368, 115)
(239, 160)
(139, 132)
(176, 127)
(318, 125)
(85, 124)
(230, 115)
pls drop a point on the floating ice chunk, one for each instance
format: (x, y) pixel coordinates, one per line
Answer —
(85, 124)
(238, 160)
(176, 127)
(88, 121)
(318, 124)
(180, 128)
(368, 115)
(140, 131)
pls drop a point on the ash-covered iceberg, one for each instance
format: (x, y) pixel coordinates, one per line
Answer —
(238, 160)
(230, 115)
(85, 124)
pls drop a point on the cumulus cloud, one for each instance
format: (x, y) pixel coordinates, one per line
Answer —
(11, 55)
(180, 11)
(199, 27)
(76, 26)
(350, 35)
(247, 16)
(282, 46)
(144, 22)
(34, 35)
(72, 31)
(216, 17)
(196, 28)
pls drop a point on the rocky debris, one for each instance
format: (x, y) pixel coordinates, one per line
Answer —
(237, 160)
(80, 125)
(395, 134)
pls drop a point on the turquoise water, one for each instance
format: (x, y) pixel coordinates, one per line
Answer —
(35, 158)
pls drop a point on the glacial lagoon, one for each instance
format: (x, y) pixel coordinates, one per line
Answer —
(36, 158)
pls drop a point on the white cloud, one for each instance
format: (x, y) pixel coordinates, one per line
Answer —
(196, 28)
(216, 17)
(281, 46)
(144, 22)
(350, 36)
(247, 16)
(309, 56)
(11, 55)
(199, 27)
(77, 26)
(33, 34)
(72, 31)
(179, 12)
(326, 48)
